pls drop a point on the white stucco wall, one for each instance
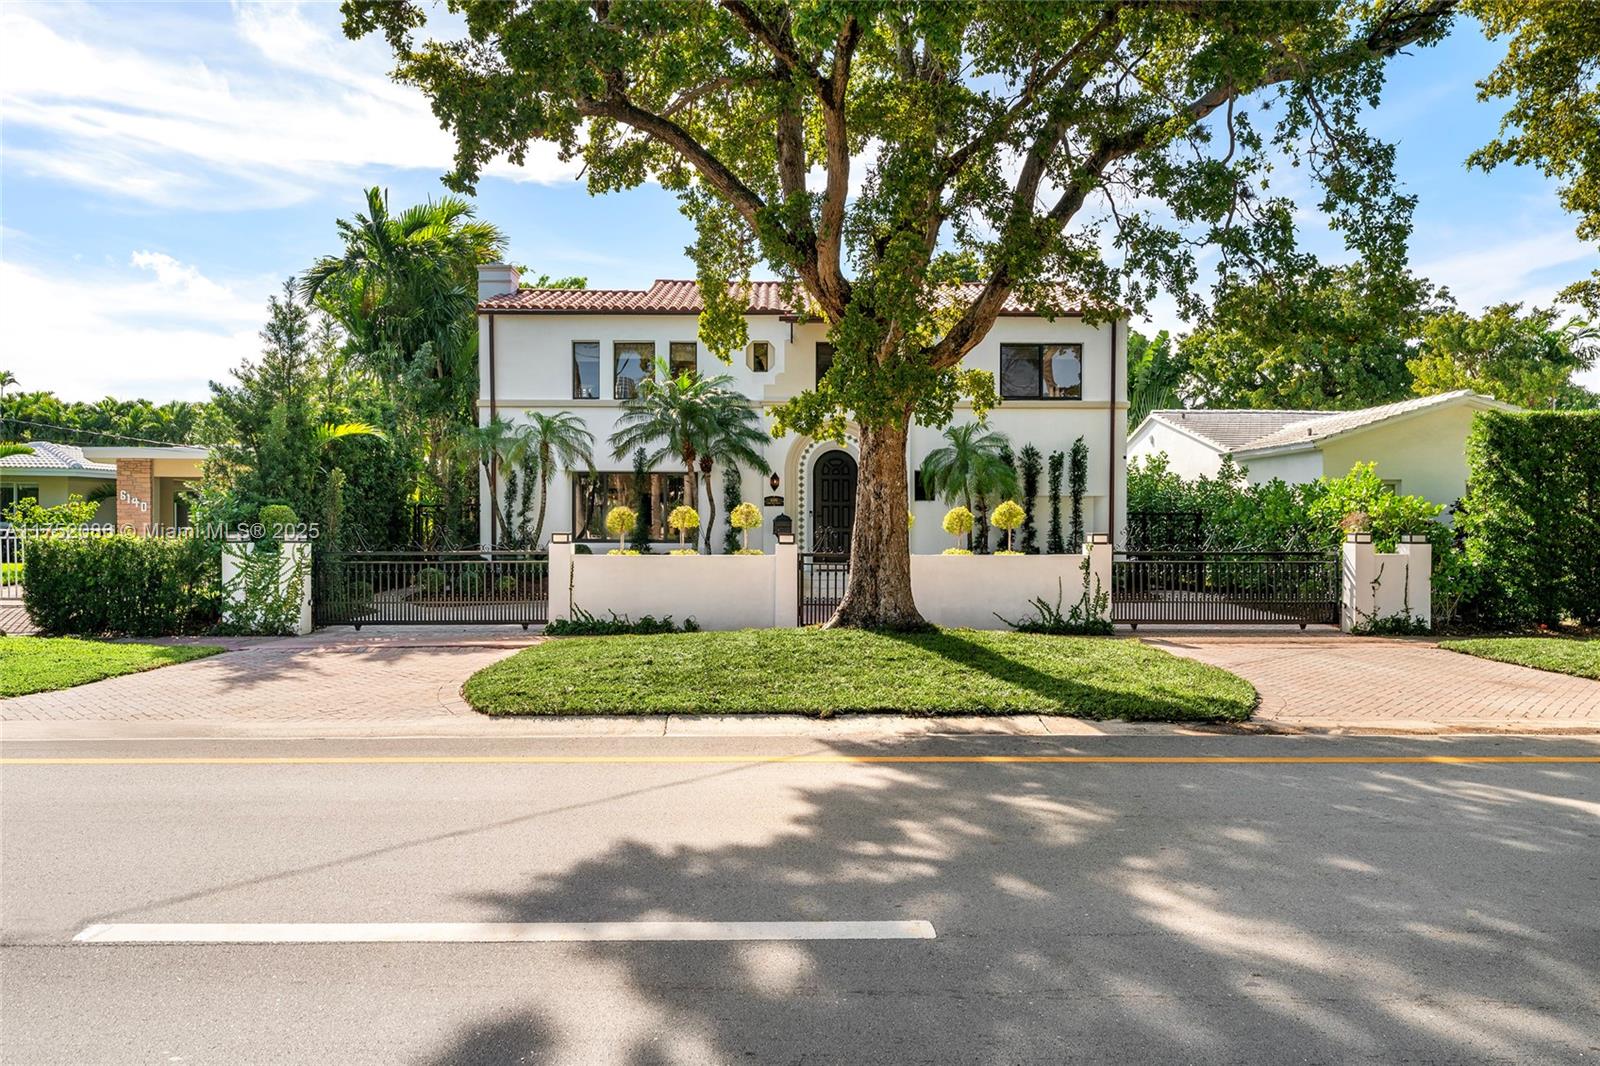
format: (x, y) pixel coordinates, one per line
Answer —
(970, 590)
(1426, 453)
(1187, 457)
(533, 372)
(1378, 585)
(1296, 468)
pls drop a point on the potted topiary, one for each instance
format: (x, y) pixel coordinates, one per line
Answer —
(745, 517)
(1008, 516)
(958, 523)
(683, 519)
(619, 523)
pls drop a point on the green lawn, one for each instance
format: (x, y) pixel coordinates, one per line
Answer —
(44, 664)
(826, 672)
(1563, 655)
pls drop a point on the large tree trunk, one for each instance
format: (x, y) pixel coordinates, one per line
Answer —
(878, 593)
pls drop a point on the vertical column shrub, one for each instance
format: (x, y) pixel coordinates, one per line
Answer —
(1532, 515)
(732, 497)
(1031, 462)
(641, 501)
(1055, 543)
(1077, 482)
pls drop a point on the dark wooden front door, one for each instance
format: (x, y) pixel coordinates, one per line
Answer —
(833, 495)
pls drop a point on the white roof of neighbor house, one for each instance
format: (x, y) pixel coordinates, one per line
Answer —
(55, 459)
(1330, 424)
(1227, 429)
(1249, 431)
(147, 451)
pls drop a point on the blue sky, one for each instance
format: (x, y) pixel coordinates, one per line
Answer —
(163, 167)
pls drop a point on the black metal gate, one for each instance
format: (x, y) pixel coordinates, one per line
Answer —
(1225, 588)
(361, 588)
(822, 577)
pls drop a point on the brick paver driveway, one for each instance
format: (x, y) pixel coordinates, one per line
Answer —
(389, 674)
(1330, 679)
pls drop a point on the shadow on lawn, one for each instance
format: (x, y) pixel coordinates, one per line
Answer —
(1081, 699)
(1084, 913)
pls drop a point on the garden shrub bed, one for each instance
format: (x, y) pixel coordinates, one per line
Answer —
(827, 672)
(122, 584)
(1561, 655)
(45, 664)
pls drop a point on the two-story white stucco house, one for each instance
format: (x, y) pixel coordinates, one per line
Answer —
(586, 350)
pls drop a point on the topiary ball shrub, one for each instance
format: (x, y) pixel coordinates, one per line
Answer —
(277, 521)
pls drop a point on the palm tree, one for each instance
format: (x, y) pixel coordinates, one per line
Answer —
(555, 441)
(495, 440)
(329, 432)
(404, 290)
(970, 466)
(672, 419)
(738, 439)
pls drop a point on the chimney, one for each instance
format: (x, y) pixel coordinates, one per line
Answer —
(496, 279)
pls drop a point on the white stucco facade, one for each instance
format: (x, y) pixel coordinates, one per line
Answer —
(526, 365)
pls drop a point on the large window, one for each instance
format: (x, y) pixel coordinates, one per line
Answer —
(1041, 371)
(824, 358)
(11, 493)
(633, 360)
(683, 357)
(596, 494)
(585, 370)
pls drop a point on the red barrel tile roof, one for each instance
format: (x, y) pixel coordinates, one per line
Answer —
(669, 297)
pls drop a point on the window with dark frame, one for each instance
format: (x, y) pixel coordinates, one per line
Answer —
(683, 357)
(12, 494)
(595, 494)
(758, 356)
(585, 370)
(631, 364)
(1041, 371)
(824, 358)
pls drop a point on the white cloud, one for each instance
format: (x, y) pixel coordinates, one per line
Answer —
(281, 109)
(157, 328)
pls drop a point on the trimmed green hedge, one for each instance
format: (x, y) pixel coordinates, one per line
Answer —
(1532, 515)
(121, 584)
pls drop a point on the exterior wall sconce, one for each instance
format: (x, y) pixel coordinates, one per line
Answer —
(774, 481)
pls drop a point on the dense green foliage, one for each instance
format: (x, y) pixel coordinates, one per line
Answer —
(1532, 515)
(1055, 543)
(1031, 462)
(42, 416)
(1525, 359)
(291, 417)
(952, 671)
(121, 584)
(1155, 375)
(45, 664)
(26, 513)
(1276, 516)
(1559, 655)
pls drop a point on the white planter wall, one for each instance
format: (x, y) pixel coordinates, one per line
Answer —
(717, 591)
(969, 590)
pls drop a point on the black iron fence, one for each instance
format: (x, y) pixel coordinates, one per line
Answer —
(822, 577)
(430, 588)
(1225, 588)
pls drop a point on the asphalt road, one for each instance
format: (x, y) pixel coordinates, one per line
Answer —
(1130, 912)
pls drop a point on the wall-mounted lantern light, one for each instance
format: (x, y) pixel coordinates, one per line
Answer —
(773, 481)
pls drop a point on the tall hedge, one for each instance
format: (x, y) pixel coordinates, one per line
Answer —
(1532, 515)
(121, 584)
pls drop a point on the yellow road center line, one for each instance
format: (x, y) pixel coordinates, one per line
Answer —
(676, 760)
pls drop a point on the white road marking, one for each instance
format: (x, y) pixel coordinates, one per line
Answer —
(489, 932)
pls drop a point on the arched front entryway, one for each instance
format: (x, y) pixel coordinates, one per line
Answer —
(833, 501)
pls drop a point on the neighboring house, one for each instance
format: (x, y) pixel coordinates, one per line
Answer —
(585, 350)
(150, 483)
(52, 473)
(1419, 445)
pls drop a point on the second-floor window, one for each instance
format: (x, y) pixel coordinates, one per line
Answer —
(824, 358)
(633, 360)
(683, 358)
(1041, 371)
(758, 356)
(585, 370)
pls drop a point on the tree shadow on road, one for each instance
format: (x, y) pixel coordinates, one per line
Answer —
(1235, 913)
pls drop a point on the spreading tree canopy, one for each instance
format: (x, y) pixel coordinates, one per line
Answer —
(875, 155)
